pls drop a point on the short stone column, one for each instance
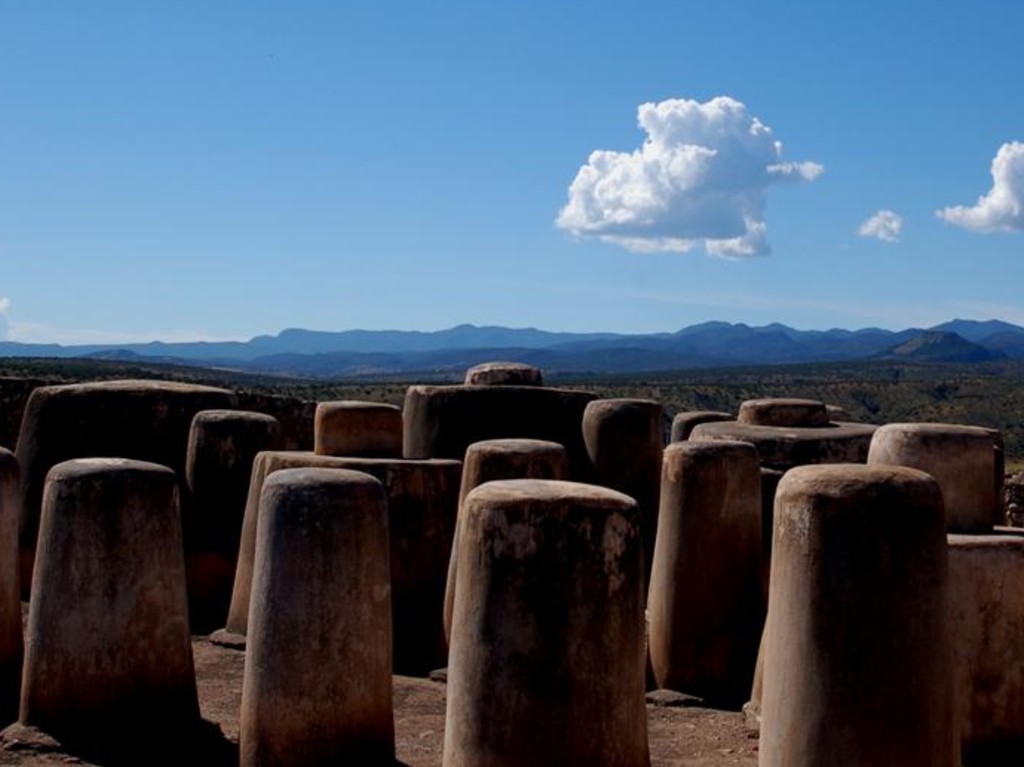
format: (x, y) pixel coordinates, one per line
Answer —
(547, 657)
(705, 603)
(109, 657)
(504, 374)
(857, 659)
(10, 600)
(961, 458)
(986, 576)
(222, 445)
(495, 459)
(624, 441)
(317, 685)
(784, 412)
(358, 429)
(684, 423)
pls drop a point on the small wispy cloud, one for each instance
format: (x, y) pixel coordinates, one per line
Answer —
(5, 307)
(1002, 208)
(884, 225)
(698, 180)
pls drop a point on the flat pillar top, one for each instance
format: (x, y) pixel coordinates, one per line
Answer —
(840, 479)
(326, 461)
(516, 445)
(136, 386)
(216, 414)
(1003, 539)
(355, 404)
(314, 477)
(939, 430)
(84, 467)
(504, 373)
(784, 411)
(548, 491)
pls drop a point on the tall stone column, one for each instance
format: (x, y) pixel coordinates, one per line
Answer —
(858, 664)
(547, 657)
(317, 686)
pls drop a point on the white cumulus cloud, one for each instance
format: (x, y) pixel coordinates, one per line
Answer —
(884, 225)
(699, 179)
(1002, 209)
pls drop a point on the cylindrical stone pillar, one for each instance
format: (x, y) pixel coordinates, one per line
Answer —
(504, 374)
(783, 411)
(222, 445)
(109, 656)
(683, 423)
(858, 666)
(986, 577)
(317, 685)
(547, 658)
(624, 441)
(705, 603)
(10, 599)
(961, 458)
(358, 429)
(494, 459)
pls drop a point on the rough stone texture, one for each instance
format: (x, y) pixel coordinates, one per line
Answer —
(358, 429)
(857, 657)
(705, 606)
(961, 458)
(986, 576)
(684, 423)
(143, 420)
(422, 501)
(784, 412)
(838, 414)
(108, 654)
(295, 416)
(10, 599)
(317, 687)
(442, 421)
(784, 448)
(624, 441)
(222, 445)
(1013, 499)
(547, 658)
(496, 459)
(504, 374)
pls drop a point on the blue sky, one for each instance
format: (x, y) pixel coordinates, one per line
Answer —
(216, 170)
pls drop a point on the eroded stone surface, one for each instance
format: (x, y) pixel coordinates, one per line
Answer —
(504, 374)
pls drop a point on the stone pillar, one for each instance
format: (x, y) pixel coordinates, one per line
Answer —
(705, 603)
(109, 656)
(961, 458)
(857, 657)
(317, 685)
(10, 599)
(623, 438)
(986, 576)
(547, 657)
(784, 412)
(495, 459)
(358, 429)
(221, 448)
(422, 501)
(683, 423)
(504, 374)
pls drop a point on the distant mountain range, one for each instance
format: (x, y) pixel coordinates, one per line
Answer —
(368, 353)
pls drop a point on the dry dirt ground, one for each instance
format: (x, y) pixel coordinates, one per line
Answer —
(679, 736)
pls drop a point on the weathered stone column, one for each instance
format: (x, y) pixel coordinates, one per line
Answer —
(547, 657)
(504, 374)
(624, 441)
(317, 686)
(358, 429)
(961, 458)
(109, 656)
(857, 658)
(422, 501)
(222, 445)
(684, 423)
(986, 576)
(10, 599)
(495, 459)
(705, 603)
